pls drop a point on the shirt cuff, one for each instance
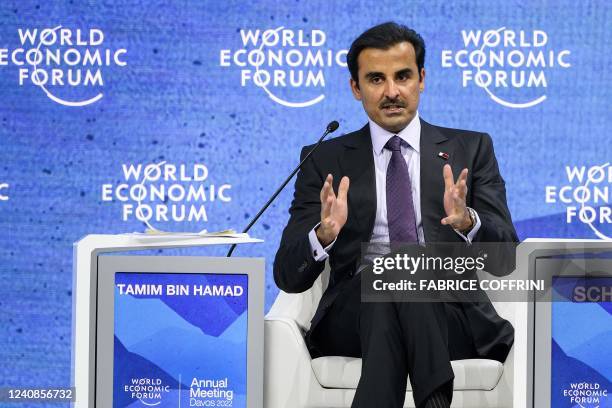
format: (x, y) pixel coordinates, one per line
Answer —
(474, 229)
(316, 249)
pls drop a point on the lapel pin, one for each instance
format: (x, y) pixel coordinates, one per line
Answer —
(443, 155)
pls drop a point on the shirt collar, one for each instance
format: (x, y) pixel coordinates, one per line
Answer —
(411, 134)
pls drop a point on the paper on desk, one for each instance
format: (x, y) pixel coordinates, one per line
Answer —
(156, 234)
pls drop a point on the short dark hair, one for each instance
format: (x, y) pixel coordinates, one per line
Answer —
(383, 37)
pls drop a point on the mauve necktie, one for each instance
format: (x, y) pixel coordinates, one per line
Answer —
(400, 209)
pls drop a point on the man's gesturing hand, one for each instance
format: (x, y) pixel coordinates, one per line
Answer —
(334, 210)
(457, 215)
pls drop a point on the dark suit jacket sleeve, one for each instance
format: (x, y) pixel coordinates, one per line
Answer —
(295, 269)
(493, 336)
(488, 196)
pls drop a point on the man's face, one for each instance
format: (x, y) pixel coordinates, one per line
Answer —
(389, 85)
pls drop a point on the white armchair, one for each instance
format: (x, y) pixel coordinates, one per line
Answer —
(294, 380)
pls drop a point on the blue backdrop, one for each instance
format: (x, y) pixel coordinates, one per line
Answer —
(226, 94)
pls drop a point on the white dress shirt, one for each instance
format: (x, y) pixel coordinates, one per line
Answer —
(410, 149)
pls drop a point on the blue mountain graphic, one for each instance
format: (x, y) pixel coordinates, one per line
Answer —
(597, 353)
(237, 332)
(196, 355)
(138, 319)
(607, 306)
(213, 314)
(578, 323)
(133, 320)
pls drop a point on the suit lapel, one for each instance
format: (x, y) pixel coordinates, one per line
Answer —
(358, 164)
(432, 142)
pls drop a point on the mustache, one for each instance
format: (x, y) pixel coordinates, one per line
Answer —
(388, 102)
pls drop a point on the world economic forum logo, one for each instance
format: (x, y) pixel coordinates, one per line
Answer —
(586, 395)
(585, 194)
(149, 391)
(511, 66)
(288, 65)
(68, 65)
(166, 193)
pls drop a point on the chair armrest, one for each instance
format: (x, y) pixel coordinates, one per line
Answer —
(301, 307)
(288, 377)
(290, 329)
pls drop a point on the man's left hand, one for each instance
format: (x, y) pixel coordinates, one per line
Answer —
(457, 215)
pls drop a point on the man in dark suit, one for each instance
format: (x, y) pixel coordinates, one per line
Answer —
(395, 182)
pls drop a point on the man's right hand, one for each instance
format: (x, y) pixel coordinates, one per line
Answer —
(334, 210)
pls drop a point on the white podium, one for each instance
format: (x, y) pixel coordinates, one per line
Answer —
(532, 347)
(86, 255)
